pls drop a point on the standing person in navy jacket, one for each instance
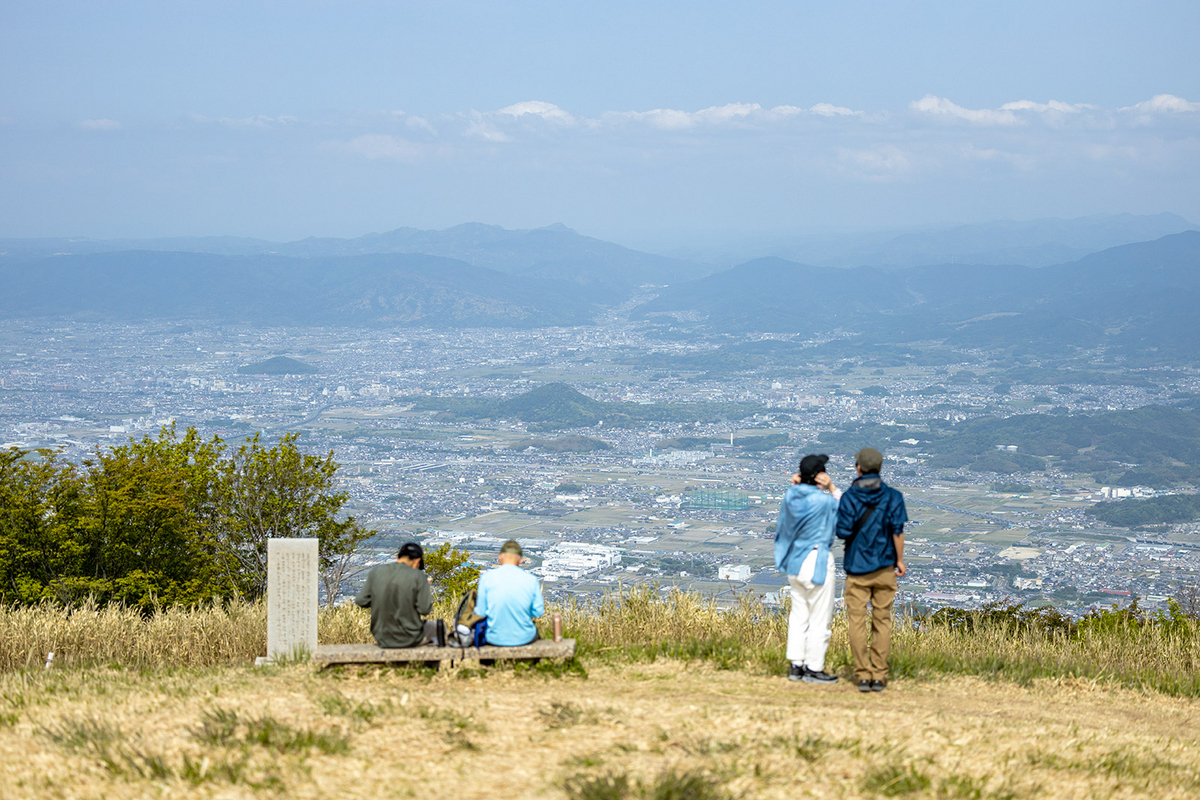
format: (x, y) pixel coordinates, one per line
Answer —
(803, 537)
(871, 517)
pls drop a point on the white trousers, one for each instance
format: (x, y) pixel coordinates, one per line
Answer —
(812, 608)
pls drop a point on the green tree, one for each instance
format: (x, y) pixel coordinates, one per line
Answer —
(146, 534)
(451, 572)
(41, 506)
(281, 492)
(166, 520)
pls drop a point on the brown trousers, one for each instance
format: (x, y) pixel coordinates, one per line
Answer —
(879, 588)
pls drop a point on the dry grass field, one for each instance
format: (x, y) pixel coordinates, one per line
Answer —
(670, 697)
(666, 729)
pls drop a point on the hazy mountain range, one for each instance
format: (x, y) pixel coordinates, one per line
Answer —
(554, 252)
(1033, 243)
(1141, 296)
(399, 289)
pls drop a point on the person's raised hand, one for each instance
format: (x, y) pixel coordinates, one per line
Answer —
(796, 479)
(823, 481)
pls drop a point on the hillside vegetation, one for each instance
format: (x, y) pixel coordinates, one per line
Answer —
(279, 365)
(164, 521)
(562, 444)
(1149, 511)
(1163, 441)
(553, 406)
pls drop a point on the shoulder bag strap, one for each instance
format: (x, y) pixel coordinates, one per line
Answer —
(858, 523)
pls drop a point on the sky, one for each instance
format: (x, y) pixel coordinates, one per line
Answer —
(632, 121)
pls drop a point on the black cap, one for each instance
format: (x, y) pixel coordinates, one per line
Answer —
(811, 465)
(412, 550)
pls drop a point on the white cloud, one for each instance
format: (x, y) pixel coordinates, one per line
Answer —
(940, 106)
(667, 119)
(1021, 161)
(382, 145)
(420, 123)
(1163, 103)
(480, 127)
(1100, 151)
(1042, 108)
(100, 125)
(537, 108)
(674, 119)
(730, 112)
(883, 162)
(257, 121)
(827, 110)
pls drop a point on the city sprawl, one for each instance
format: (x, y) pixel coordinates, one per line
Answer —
(665, 499)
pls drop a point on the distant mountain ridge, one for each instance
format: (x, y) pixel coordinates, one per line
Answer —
(396, 289)
(1030, 243)
(555, 252)
(1143, 296)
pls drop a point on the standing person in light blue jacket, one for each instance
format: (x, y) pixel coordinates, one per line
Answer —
(803, 537)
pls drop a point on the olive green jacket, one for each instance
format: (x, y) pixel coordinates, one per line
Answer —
(397, 595)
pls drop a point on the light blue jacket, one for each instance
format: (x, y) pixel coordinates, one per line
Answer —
(510, 598)
(806, 520)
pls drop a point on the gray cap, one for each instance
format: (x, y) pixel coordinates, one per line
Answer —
(869, 460)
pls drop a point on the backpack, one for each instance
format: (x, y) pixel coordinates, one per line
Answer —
(469, 628)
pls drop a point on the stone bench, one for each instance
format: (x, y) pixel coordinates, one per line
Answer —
(328, 655)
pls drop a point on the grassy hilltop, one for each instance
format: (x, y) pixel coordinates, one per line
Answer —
(668, 698)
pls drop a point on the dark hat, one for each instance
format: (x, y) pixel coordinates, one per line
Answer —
(411, 550)
(812, 465)
(869, 460)
(512, 546)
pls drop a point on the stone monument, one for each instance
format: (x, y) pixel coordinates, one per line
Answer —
(291, 599)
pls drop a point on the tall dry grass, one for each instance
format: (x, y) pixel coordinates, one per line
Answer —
(638, 624)
(87, 635)
(1156, 657)
(1154, 653)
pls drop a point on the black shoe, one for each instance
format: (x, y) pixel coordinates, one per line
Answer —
(864, 686)
(811, 676)
(876, 686)
(796, 673)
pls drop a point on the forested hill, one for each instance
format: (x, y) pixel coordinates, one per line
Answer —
(554, 406)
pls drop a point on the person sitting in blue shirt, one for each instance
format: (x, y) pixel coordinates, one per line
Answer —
(510, 598)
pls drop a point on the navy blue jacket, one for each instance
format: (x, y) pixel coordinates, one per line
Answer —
(873, 548)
